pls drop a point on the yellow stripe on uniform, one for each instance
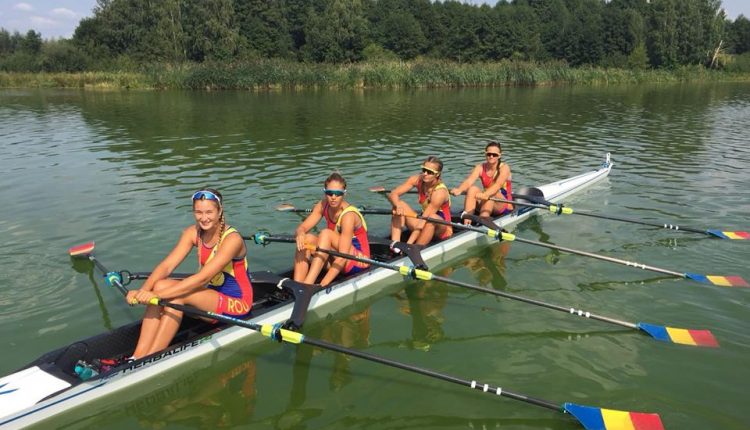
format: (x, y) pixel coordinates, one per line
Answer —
(680, 335)
(617, 420)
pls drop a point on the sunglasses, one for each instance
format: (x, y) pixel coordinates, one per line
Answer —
(492, 154)
(428, 171)
(206, 195)
(331, 193)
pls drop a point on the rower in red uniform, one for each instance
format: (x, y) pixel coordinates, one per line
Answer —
(434, 199)
(346, 231)
(222, 285)
(496, 181)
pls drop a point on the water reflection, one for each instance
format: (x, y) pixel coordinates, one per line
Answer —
(222, 400)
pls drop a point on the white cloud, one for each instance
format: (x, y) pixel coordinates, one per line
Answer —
(63, 13)
(40, 21)
(23, 6)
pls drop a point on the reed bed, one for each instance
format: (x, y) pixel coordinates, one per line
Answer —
(264, 75)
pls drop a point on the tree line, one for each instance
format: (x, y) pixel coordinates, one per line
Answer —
(128, 34)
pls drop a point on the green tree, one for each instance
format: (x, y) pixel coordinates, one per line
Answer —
(210, 29)
(264, 26)
(738, 35)
(338, 34)
(662, 33)
(394, 27)
(32, 43)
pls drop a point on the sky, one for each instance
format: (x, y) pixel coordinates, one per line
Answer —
(59, 18)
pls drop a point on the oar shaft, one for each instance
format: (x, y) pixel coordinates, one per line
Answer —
(406, 270)
(571, 311)
(551, 207)
(294, 337)
(559, 248)
(104, 271)
(602, 257)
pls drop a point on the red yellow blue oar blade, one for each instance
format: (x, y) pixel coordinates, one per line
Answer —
(718, 280)
(83, 249)
(680, 335)
(593, 418)
(736, 235)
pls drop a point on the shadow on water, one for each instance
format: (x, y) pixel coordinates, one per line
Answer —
(83, 265)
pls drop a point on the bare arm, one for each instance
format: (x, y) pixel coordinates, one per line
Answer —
(437, 200)
(495, 186)
(469, 181)
(348, 222)
(396, 193)
(314, 218)
(231, 247)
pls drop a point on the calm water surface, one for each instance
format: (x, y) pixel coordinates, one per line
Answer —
(119, 167)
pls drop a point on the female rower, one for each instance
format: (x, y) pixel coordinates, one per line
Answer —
(435, 201)
(222, 284)
(495, 177)
(346, 231)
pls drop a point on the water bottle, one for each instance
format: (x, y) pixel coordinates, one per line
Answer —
(84, 370)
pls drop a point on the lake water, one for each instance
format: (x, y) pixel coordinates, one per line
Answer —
(119, 168)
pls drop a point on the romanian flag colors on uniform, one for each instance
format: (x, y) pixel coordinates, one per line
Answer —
(721, 281)
(607, 419)
(739, 235)
(680, 335)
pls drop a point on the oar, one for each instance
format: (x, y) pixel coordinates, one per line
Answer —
(718, 280)
(288, 207)
(658, 332)
(382, 190)
(111, 278)
(590, 417)
(559, 208)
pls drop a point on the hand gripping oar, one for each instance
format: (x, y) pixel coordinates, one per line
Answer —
(590, 417)
(560, 209)
(718, 280)
(659, 332)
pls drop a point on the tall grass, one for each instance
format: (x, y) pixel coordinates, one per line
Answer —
(264, 75)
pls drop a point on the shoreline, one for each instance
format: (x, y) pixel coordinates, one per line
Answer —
(275, 75)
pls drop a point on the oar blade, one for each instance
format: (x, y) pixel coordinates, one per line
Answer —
(592, 418)
(377, 189)
(83, 249)
(718, 280)
(285, 207)
(736, 235)
(680, 336)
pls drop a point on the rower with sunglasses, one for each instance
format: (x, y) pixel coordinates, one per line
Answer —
(434, 199)
(222, 285)
(495, 177)
(346, 231)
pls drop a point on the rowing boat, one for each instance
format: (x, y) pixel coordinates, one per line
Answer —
(48, 386)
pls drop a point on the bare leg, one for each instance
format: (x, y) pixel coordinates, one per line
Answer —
(470, 203)
(169, 323)
(302, 259)
(487, 208)
(150, 324)
(326, 238)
